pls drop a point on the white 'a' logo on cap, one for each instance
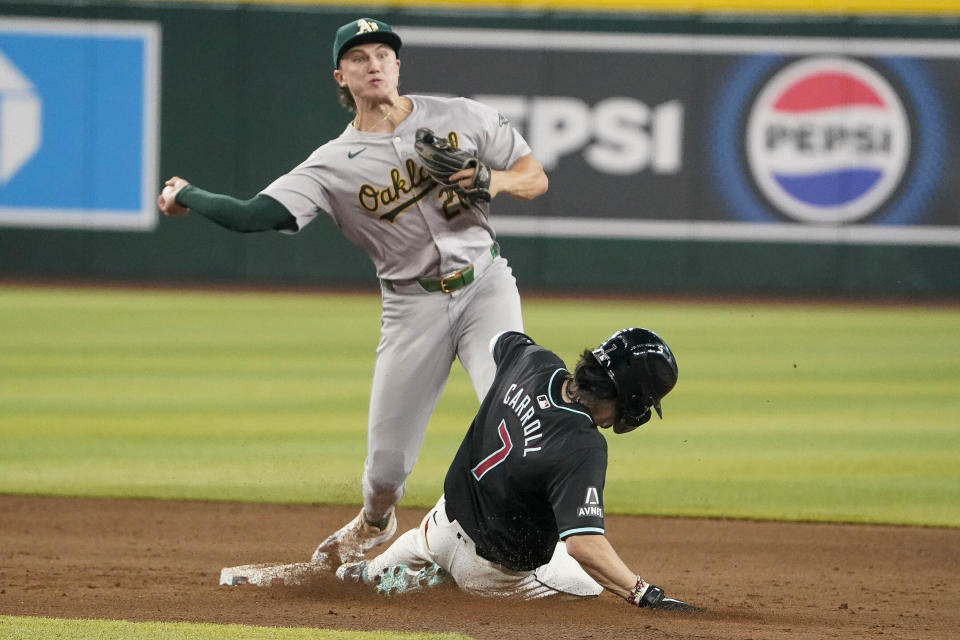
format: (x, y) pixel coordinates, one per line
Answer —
(365, 26)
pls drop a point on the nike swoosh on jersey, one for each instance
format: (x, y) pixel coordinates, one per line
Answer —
(354, 154)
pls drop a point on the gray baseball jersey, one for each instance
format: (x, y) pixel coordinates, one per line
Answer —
(373, 187)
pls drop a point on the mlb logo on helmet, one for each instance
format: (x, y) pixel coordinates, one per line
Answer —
(827, 140)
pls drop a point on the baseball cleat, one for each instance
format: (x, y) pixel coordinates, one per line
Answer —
(352, 541)
(433, 575)
(353, 572)
(393, 580)
(401, 579)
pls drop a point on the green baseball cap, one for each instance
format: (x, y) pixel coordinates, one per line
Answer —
(360, 32)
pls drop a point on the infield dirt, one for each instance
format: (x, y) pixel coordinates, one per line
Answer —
(156, 560)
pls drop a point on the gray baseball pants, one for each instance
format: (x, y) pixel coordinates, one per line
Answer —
(421, 334)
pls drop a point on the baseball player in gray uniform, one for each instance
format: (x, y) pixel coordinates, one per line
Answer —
(445, 287)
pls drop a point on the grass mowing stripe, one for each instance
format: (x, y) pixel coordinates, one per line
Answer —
(27, 628)
(782, 411)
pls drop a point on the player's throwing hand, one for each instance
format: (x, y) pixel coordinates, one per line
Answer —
(167, 200)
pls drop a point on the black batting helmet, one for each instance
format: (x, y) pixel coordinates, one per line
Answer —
(643, 370)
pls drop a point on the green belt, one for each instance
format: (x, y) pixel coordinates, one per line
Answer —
(449, 284)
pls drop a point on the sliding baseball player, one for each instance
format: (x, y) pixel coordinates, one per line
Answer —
(522, 510)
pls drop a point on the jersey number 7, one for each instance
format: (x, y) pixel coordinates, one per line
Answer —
(497, 456)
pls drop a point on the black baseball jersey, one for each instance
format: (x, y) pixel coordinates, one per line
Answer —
(531, 468)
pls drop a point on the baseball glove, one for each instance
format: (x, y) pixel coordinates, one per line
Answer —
(441, 160)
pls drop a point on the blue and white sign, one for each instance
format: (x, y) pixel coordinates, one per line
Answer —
(78, 123)
(827, 140)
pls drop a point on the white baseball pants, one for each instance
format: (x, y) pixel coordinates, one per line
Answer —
(444, 542)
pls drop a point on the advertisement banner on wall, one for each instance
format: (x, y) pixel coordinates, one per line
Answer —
(78, 123)
(716, 137)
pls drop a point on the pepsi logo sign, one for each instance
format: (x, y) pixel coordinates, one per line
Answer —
(827, 140)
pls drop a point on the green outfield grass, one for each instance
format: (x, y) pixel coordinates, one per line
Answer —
(24, 628)
(783, 411)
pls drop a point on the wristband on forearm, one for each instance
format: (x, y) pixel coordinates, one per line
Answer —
(644, 594)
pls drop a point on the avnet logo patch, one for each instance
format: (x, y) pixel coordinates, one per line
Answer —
(78, 123)
(827, 140)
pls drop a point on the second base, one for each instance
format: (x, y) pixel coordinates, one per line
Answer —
(270, 575)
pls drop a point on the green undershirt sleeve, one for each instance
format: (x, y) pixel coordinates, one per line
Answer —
(260, 213)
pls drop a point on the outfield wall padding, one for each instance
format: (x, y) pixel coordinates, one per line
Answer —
(698, 153)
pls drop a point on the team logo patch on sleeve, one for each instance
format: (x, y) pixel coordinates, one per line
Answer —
(543, 402)
(591, 505)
